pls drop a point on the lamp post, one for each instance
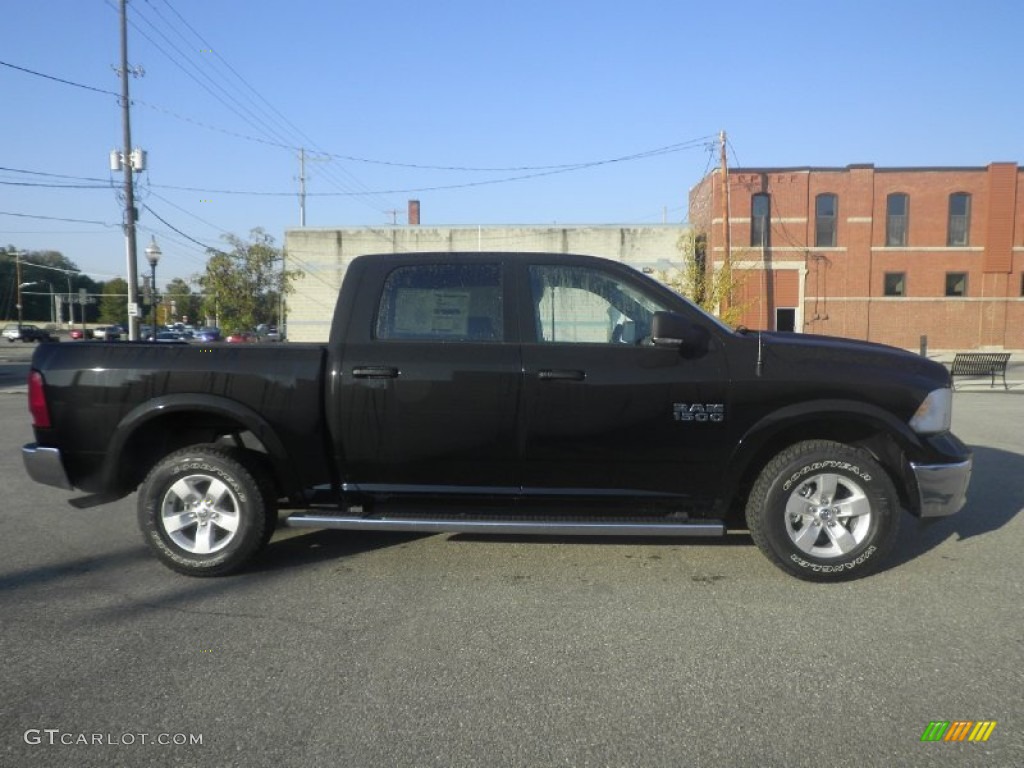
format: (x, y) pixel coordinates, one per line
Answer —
(153, 253)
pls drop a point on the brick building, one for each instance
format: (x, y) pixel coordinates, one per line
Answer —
(884, 254)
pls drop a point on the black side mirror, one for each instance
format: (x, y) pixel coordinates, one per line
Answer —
(671, 330)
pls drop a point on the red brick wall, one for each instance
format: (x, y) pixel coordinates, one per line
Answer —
(842, 287)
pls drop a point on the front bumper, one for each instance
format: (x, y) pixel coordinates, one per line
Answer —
(44, 465)
(942, 488)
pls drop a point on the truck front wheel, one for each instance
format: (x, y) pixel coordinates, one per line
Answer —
(204, 511)
(824, 511)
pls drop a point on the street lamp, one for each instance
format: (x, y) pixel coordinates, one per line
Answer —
(153, 253)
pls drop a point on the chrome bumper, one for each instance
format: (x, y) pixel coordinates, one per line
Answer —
(44, 465)
(942, 487)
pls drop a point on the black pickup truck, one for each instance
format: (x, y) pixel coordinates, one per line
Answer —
(506, 393)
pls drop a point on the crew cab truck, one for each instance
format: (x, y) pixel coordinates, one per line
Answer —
(506, 393)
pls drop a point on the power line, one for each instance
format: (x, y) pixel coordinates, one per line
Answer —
(57, 218)
(59, 79)
(690, 144)
(170, 226)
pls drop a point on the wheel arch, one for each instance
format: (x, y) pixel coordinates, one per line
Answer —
(859, 424)
(163, 425)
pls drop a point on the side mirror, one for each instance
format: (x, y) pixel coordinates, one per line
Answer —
(671, 330)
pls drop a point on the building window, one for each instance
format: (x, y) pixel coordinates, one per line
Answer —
(956, 283)
(785, 319)
(897, 207)
(895, 283)
(826, 208)
(760, 212)
(958, 234)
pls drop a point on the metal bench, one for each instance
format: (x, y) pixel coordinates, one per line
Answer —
(980, 364)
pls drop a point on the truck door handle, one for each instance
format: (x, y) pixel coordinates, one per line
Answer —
(375, 372)
(561, 375)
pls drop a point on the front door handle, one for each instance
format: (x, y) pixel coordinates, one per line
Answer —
(561, 375)
(375, 372)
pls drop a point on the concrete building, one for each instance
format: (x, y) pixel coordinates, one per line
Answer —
(883, 254)
(323, 255)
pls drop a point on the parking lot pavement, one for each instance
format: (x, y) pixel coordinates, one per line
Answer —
(367, 649)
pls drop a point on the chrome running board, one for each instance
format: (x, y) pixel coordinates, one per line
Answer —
(496, 525)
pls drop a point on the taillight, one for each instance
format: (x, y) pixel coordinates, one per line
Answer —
(37, 401)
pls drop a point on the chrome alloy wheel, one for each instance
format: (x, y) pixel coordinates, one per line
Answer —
(200, 514)
(828, 515)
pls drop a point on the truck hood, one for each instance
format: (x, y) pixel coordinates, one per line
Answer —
(800, 352)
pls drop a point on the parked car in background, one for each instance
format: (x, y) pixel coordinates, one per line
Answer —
(80, 334)
(107, 333)
(242, 337)
(168, 336)
(207, 334)
(267, 332)
(26, 333)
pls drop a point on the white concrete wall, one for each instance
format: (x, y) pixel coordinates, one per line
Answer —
(323, 255)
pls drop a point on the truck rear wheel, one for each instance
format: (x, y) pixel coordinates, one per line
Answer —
(205, 511)
(824, 511)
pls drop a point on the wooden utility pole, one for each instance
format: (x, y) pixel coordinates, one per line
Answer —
(17, 278)
(130, 213)
(726, 225)
(726, 233)
(302, 186)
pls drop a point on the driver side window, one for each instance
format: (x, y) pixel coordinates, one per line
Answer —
(586, 306)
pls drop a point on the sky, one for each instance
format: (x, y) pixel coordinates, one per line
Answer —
(489, 113)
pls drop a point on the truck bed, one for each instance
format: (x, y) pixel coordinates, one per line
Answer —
(105, 397)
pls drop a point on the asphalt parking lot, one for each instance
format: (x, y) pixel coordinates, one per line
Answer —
(374, 650)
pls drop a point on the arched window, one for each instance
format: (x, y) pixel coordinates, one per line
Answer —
(826, 211)
(760, 214)
(897, 210)
(958, 233)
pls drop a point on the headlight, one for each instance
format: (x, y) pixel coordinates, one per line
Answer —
(935, 414)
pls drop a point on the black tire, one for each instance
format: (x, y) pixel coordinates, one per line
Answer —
(206, 510)
(824, 511)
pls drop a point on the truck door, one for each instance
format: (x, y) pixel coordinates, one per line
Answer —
(429, 385)
(604, 410)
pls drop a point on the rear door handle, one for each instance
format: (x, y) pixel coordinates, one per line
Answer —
(375, 372)
(561, 375)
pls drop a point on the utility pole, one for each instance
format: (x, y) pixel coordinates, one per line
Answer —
(302, 181)
(302, 187)
(130, 214)
(726, 226)
(17, 276)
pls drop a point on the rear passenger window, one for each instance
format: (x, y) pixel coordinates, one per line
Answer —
(442, 302)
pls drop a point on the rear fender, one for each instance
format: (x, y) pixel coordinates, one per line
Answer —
(222, 413)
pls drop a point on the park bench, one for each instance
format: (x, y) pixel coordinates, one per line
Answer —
(980, 364)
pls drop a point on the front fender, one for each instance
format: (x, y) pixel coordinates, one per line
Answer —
(836, 419)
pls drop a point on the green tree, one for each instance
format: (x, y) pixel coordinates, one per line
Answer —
(181, 303)
(52, 272)
(114, 302)
(714, 290)
(242, 285)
